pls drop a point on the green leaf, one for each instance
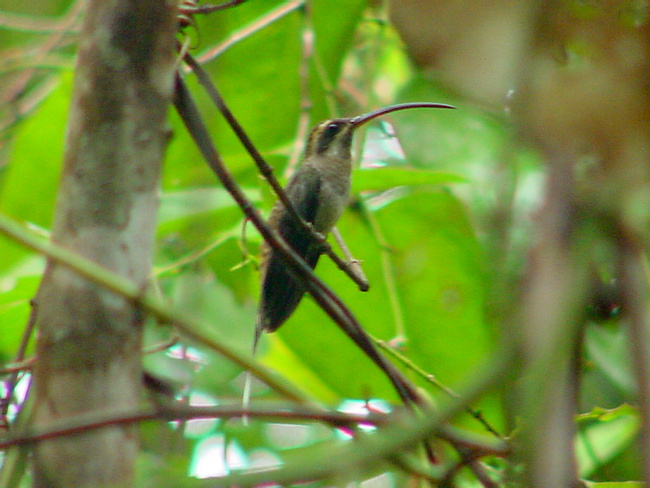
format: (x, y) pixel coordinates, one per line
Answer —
(615, 484)
(181, 204)
(461, 140)
(214, 303)
(437, 267)
(609, 349)
(286, 362)
(29, 186)
(602, 440)
(260, 79)
(384, 178)
(15, 307)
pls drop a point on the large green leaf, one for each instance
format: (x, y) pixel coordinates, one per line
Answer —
(615, 484)
(440, 281)
(29, 186)
(440, 286)
(267, 57)
(605, 435)
(385, 178)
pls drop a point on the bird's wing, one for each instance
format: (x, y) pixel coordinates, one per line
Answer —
(304, 193)
(281, 293)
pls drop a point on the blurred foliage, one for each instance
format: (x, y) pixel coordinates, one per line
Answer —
(440, 197)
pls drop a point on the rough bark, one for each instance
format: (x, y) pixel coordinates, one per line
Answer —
(89, 339)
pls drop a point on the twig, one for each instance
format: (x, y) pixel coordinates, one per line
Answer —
(193, 257)
(430, 378)
(354, 264)
(63, 28)
(431, 473)
(175, 412)
(33, 23)
(15, 367)
(388, 272)
(162, 345)
(370, 450)
(447, 479)
(478, 444)
(188, 8)
(246, 32)
(21, 95)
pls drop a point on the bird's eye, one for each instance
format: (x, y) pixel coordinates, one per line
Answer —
(327, 136)
(331, 130)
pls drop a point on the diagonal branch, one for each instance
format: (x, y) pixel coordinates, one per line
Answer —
(321, 293)
(370, 450)
(267, 171)
(147, 301)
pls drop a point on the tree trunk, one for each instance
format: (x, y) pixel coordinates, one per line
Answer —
(89, 339)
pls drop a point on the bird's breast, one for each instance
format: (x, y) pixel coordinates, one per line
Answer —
(333, 200)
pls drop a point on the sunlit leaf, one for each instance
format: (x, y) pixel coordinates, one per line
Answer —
(15, 307)
(602, 440)
(384, 178)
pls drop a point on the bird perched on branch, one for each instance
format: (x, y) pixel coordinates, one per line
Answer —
(319, 192)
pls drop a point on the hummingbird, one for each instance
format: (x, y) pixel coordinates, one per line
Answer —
(319, 192)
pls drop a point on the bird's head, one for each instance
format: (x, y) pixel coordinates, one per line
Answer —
(333, 138)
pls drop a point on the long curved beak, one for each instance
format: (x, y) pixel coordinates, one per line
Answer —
(362, 119)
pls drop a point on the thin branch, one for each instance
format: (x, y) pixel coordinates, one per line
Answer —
(388, 272)
(20, 364)
(354, 264)
(370, 450)
(478, 444)
(27, 103)
(192, 257)
(15, 367)
(447, 479)
(177, 412)
(253, 28)
(71, 17)
(162, 345)
(32, 23)
(192, 8)
(190, 327)
(265, 169)
(430, 378)
(411, 465)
